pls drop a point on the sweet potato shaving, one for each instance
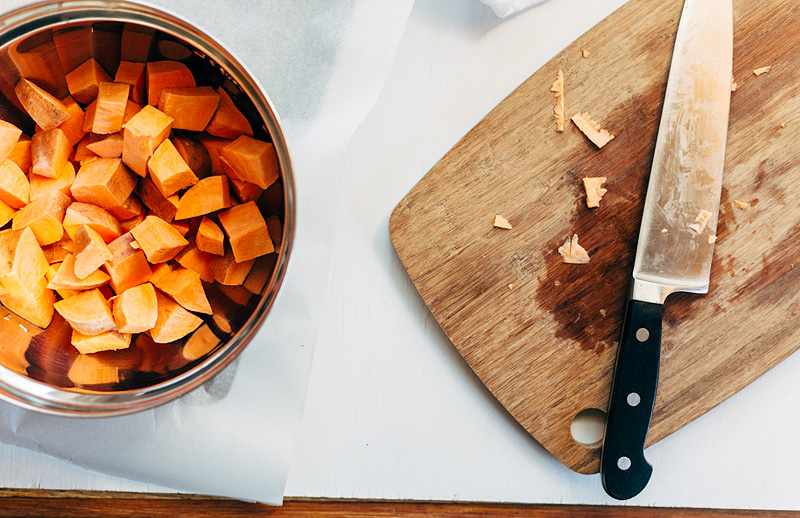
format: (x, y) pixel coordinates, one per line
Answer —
(591, 129)
(741, 204)
(762, 70)
(700, 221)
(594, 190)
(558, 109)
(572, 252)
(501, 222)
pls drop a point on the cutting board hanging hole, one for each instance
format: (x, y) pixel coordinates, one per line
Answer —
(587, 427)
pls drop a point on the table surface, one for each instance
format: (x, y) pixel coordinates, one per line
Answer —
(393, 412)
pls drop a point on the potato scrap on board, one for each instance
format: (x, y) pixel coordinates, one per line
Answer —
(594, 190)
(741, 204)
(585, 53)
(762, 70)
(558, 109)
(572, 252)
(501, 222)
(700, 221)
(600, 137)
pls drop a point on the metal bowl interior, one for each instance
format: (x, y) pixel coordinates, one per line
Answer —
(39, 368)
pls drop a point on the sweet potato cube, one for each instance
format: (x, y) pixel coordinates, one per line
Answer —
(194, 154)
(132, 73)
(160, 270)
(82, 152)
(206, 196)
(228, 122)
(106, 146)
(173, 321)
(192, 108)
(128, 266)
(58, 251)
(6, 213)
(246, 191)
(112, 100)
(159, 240)
(130, 208)
(45, 110)
(88, 370)
(202, 342)
(251, 160)
(66, 278)
(210, 238)
(169, 172)
(160, 205)
(105, 182)
(73, 127)
(136, 309)
(247, 231)
(166, 74)
(35, 307)
(195, 259)
(44, 216)
(96, 217)
(9, 135)
(142, 135)
(91, 252)
(40, 185)
(21, 154)
(22, 262)
(84, 81)
(213, 146)
(88, 313)
(228, 271)
(89, 115)
(50, 150)
(260, 273)
(109, 341)
(238, 294)
(185, 287)
(128, 224)
(14, 186)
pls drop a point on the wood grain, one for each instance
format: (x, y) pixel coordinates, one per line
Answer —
(546, 348)
(90, 504)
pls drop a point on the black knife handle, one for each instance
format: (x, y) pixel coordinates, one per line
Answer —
(623, 468)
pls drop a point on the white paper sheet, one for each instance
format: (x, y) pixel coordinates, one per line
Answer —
(323, 64)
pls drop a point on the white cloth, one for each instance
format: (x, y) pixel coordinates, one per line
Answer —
(503, 8)
(323, 66)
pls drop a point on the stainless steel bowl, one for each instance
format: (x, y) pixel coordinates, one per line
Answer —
(39, 368)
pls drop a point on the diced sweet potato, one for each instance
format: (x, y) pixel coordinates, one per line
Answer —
(6, 213)
(21, 154)
(246, 191)
(35, 307)
(169, 172)
(132, 73)
(89, 115)
(131, 109)
(128, 267)
(195, 259)
(202, 342)
(45, 110)
(160, 270)
(84, 81)
(213, 146)
(136, 309)
(228, 122)
(159, 240)
(238, 294)
(40, 186)
(109, 341)
(260, 273)
(112, 100)
(105, 182)
(91, 252)
(228, 271)
(128, 224)
(9, 135)
(106, 146)
(210, 238)
(82, 152)
(185, 287)
(72, 127)
(88, 370)
(66, 279)
(14, 187)
(50, 150)
(22, 262)
(130, 208)
(182, 227)
(194, 154)
(173, 322)
(136, 42)
(251, 160)
(163, 207)
(59, 250)
(74, 45)
(96, 217)
(206, 196)
(44, 216)
(88, 313)
(192, 108)
(142, 135)
(247, 231)
(166, 74)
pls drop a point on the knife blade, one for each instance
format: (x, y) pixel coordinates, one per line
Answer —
(677, 232)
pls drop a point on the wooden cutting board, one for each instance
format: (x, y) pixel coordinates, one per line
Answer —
(545, 347)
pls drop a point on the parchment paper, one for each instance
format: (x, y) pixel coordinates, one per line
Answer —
(323, 64)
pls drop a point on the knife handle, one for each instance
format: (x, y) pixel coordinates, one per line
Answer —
(623, 468)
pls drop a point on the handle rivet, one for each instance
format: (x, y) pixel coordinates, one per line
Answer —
(634, 399)
(642, 334)
(624, 463)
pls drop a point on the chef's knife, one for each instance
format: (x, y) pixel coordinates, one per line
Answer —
(678, 229)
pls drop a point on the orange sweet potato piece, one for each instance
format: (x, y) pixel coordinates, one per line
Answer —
(6, 213)
(192, 108)
(260, 273)
(112, 100)
(106, 146)
(136, 42)
(128, 266)
(82, 152)
(185, 287)
(194, 154)
(44, 216)
(109, 341)
(72, 127)
(91, 252)
(142, 135)
(14, 186)
(173, 321)
(136, 309)
(228, 122)
(21, 154)
(195, 259)
(213, 146)
(22, 262)
(202, 342)
(159, 240)
(128, 224)
(45, 110)
(160, 205)
(228, 271)
(166, 74)
(58, 251)
(246, 191)
(160, 270)
(128, 209)
(96, 217)
(247, 231)
(105, 182)
(169, 172)
(132, 73)
(50, 150)
(66, 279)
(206, 196)
(238, 294)
(251, 160)
(40, 185)
(210, 238)
(182, 227)
(89, 115)
(9, 135)
(35, 307)
(84, 81)
(88, 313)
